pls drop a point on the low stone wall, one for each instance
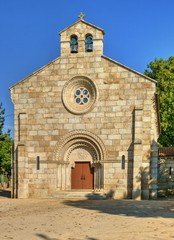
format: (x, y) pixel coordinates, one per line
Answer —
(165, 176)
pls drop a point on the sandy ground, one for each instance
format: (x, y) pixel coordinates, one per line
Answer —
(53, 219)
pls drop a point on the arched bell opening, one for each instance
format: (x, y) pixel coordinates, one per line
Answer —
(89, 43)
(74, 44)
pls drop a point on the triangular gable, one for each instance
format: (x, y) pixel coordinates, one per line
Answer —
(87, 23)
(156, 101)
(129, 69)
(34, 73)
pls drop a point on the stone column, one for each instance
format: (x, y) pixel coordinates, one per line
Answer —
(21, 172)
(137, 155)
(154, 171)
(22, 127)
(98, 176)
(63, 176)
(13, 172)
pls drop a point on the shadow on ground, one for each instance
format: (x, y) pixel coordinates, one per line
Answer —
(5, 193)
(45, 237)
(139, 209)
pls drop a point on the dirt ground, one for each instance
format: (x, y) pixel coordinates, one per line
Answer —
(53, 219)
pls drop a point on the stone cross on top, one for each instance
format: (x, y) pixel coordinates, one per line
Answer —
(81, 16)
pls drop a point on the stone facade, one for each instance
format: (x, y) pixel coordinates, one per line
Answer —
(85, 107)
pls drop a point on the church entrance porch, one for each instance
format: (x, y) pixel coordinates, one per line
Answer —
(80, 167)
(82, 176)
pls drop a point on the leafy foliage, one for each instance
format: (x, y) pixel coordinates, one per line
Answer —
(163, 71)
(5, 146)
(2, 112)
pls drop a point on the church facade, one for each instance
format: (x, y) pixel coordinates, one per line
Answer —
(85, 123)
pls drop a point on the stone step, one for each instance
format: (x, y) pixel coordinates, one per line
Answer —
(78, 195)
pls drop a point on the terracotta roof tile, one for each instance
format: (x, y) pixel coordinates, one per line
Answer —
(166, 151)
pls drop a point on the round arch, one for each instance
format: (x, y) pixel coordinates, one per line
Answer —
(75, 149)
(80, 139)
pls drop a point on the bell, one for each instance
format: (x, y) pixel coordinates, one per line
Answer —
(74, 49)
(89, 48)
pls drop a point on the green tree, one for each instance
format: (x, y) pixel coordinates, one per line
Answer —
(2, 119)
(163, 71)
(5, 146)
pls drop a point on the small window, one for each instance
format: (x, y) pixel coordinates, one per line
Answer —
(74, 44)
(123, 162)
(89, 43)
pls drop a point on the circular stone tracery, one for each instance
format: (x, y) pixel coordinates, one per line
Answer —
(79, 95)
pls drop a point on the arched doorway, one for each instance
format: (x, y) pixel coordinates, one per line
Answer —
(79, 157)
(82, 171)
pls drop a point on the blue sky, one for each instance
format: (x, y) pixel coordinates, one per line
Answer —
(136, 32)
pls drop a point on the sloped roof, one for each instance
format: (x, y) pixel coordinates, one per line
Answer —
(166, 151)
(34, 73)
(107, 58)
(130, 69)
(83, 21)
(149, 79)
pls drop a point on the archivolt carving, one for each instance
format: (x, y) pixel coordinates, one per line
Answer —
(80, 139)
(83, 145)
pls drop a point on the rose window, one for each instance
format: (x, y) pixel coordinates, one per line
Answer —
(81, 96)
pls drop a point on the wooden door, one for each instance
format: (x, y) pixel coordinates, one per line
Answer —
(82, 176)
